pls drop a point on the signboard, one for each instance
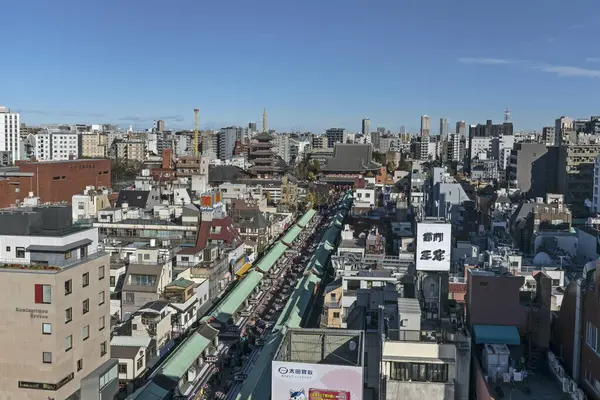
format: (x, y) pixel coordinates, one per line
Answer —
(433, 246)
(211, 359)
(294, 380)
(47, 386)
(241, 377)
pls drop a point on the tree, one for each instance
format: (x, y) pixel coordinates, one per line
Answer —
(311, 198)
(391, 167)
(379, 157)
(311, 176)
(316, 166)
(404, 166)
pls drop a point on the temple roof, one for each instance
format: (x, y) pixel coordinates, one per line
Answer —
(351, 158)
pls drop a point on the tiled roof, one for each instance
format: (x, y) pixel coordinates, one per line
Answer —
(351, 157)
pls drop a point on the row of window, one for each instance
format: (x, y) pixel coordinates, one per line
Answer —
(418, 372)
(43, 293)
(85, 307)
(47, 356)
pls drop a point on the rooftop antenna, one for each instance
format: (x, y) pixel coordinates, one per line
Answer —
(507, 115)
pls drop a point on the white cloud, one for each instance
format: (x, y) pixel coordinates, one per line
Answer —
(593, 59)
(568, 71)
(488, 61)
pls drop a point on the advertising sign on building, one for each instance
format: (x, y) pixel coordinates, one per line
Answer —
(433, 246)
(293, 380)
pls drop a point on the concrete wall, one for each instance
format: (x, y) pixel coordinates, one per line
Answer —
(22, 341)
(419, 390)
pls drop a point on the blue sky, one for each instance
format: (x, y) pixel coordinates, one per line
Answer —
(313, 64)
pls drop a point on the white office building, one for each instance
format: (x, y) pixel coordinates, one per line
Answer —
(56, 145)
(10, 138)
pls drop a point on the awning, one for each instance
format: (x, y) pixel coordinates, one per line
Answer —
(497, 334)
(242, 271)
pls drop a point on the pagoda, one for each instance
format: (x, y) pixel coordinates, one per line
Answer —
(265, 163)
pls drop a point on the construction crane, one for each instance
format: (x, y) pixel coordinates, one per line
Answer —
(196, 111)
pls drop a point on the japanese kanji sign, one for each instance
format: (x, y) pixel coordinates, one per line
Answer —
(433, 246)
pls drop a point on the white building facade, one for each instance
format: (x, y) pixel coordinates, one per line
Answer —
(10, 133)
(56, 145)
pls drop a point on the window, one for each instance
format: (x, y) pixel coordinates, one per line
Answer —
(8, 249)
(100, 323)
(113, 281)
(46, 329)
(86, 279)
(20, 252)
(68, 287)
(81, 205)
(85, 332)
(336, 315)
(101, 272)
(591, 336)
(108, 377)
(122, 368)
(68, 342)
(102, 348)
(67, 255)
(418, 372)
(83, 252)
(129, 298)
(140, 363)
(146, 256)
(68, 315)
(79, 364)
(43, 294)
(47, 357)
(86, 306)
(101, 298)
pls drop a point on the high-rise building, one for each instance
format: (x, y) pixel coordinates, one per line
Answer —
(283, 147)
(563, 126)
(226, 142)
(548, 136)
(252, 126)
(57, 296)
(425, 125)
(443, 128)
(160, 125)
(366, 127)
(10, 133)
(335, 135)
(403, 130)
(56, 145)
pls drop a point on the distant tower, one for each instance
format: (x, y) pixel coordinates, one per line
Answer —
(507, 115)
(196, 111)
(265, 120)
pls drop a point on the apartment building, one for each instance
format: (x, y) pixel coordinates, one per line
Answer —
(130, 149)
(94, 145)
(55, 285)
(51, 145)
(10, 137)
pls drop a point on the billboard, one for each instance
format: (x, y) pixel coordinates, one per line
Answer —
(304, 381)
(433, 246)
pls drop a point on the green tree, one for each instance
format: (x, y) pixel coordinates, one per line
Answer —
(391, 167)
(311, 176)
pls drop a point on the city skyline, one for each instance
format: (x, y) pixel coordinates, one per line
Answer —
(133, 71)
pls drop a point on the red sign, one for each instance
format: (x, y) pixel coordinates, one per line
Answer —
(326, 394)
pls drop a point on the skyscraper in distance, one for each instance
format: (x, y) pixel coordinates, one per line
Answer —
(425, 125)
(444, 127)
(366, 127)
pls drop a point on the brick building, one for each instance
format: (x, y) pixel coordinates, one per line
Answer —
(52, 181)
